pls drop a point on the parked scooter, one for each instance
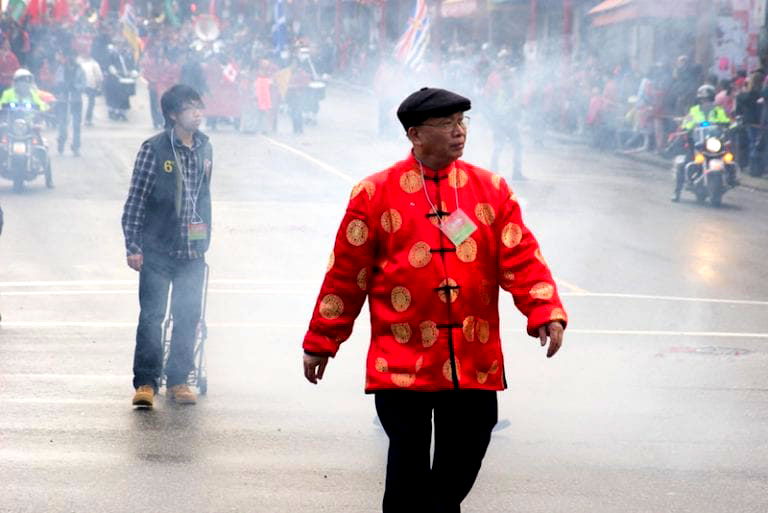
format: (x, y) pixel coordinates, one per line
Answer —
(713, 170)
(23, 150)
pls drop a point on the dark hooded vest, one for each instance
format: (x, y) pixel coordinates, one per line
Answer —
(162, 230)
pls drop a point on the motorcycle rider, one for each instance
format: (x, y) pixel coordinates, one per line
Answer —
(22, 91)
(705, 111)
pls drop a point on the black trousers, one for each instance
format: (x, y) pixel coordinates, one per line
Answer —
(157, 274)
(463, 422)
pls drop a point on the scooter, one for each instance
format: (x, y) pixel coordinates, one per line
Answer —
(23, 150)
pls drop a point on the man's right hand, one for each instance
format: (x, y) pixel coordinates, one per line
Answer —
(314, 367)
(135, 261)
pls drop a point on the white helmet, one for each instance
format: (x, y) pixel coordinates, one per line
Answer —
(22, 73)
(706, 92)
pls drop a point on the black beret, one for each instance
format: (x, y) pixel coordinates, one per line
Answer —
(430, 102)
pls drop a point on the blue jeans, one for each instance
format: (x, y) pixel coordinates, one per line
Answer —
(157, 274)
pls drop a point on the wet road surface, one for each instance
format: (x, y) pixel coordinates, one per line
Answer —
(658, 401)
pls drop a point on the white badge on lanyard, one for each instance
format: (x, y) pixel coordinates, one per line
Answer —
(458, 227)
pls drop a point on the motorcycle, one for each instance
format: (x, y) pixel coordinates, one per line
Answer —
(713, 170)
(23, 150)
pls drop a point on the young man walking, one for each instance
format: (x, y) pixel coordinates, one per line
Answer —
(167, 228)
(429, 241)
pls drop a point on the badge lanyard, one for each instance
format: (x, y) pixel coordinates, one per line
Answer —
(457, 226)
(197, 228)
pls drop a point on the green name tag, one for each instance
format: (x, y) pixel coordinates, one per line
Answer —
(458, 226)
(198, 231)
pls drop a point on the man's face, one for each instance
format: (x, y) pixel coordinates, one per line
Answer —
(190, 117)
(442, 137)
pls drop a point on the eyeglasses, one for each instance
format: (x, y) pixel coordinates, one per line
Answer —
(449, 126)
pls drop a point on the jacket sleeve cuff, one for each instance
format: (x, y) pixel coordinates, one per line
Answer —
(132, 249)
(319, 345)
(543, 315)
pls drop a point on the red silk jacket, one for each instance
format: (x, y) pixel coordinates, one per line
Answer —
(434, 306)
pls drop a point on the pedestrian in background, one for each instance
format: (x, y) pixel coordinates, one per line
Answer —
(8, 63)
(167, 227)
(69, 84)
(94, 78)
(429, 241)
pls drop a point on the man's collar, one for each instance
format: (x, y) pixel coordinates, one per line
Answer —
(198, 138)
(430, 173)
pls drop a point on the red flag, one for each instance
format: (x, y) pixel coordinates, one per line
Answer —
(33, 11)
(104, 9)
(61, 10)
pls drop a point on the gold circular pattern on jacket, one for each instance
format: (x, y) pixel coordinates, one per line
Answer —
(445, 298)
(362, 279)
(511, 235)
(482, 330)
(410, 182)
(447, 370)
(381, 365)
(482, 377)
(331, 261)
(542, 290)
(457, 178)
(391, 220)
(485, 214)
(403, 380)
(496, 181)
(558, 314)
(419, 255)
(467, 250)
(468, 328)
(366, 186)
(357, 232)
(494, 367)
(402, 332)
(331, 306)
(401, 299)
(429, 333)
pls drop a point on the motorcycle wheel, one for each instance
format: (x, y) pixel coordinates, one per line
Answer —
(716, 191)
(48, 175)
(701, 196)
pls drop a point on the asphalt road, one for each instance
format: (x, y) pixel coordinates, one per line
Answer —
(657, 403)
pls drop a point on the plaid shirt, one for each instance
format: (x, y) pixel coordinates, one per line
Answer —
(142, 184)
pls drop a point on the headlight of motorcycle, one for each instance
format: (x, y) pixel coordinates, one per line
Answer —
(19, 127)
(713, 145)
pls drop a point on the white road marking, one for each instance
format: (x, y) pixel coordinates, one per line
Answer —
(319, 163)
(302, 326)
(309, 289)
(667, 298)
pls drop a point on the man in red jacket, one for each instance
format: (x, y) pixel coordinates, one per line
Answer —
(429, 241)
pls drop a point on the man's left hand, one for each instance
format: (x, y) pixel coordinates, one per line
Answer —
(553, 330)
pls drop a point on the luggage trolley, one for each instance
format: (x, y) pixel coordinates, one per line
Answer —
(198, 376)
